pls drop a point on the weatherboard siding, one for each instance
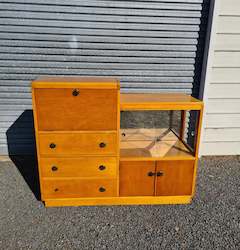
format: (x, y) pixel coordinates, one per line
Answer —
(221, 126)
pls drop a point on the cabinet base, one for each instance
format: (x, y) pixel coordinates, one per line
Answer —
(140, 200)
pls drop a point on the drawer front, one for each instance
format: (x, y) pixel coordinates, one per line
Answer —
(78, 143)
(175, 177)
(77, 188)
(79, 167)
(76, 109)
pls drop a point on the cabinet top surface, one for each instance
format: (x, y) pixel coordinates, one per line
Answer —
(76, 81)
(155, 101)
(144, 101)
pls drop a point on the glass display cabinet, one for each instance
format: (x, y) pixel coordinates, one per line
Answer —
(159, 145)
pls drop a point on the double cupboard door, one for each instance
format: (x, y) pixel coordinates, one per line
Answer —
(156, 178)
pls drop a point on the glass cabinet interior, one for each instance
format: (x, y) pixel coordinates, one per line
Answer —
(161, 125)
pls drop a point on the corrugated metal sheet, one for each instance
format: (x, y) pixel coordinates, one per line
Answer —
(150, 45)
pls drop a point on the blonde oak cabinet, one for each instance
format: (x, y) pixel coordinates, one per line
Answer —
(160, 178)
(85, 158)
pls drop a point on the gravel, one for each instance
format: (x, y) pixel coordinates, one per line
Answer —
(212, 221)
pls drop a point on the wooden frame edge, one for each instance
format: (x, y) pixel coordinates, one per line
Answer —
(141, 200)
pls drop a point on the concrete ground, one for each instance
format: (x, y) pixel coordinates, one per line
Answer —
(212, 221)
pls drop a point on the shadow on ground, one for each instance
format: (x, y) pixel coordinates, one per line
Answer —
(21, 139)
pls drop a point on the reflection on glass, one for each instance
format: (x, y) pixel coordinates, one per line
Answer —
(158, 133)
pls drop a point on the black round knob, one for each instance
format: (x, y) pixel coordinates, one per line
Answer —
(75, 92)
(123, 134)
(54, 168)
(102, 189)
(52, 145)
(56, 189)
(151, 174)
(102, 145)
(159, 173)
(102, 167)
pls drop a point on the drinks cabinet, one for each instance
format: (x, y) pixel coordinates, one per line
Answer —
(88, 155)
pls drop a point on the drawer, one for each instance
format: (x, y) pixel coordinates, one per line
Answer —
(79, 167)
(78, 143)
(76, 109)
(77, 188)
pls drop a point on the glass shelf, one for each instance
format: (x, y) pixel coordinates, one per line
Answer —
(152, 144)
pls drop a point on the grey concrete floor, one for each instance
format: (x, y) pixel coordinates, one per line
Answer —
(212, 221)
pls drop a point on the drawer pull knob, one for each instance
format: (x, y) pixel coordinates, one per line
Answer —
(56, 189)
(102, 145)
(102, 189)
(54, 168)
(75, 92)
(102, 167)
(151, 174)
(52, 145)
(160, 173)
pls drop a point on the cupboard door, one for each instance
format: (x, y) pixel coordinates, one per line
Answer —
(174, 177)
(76, 109)
(137, 178)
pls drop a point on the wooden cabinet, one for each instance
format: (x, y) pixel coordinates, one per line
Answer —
(84, 158)
(158, 178)
(76, 124)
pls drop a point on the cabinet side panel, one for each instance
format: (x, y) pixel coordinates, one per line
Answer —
(36, 138)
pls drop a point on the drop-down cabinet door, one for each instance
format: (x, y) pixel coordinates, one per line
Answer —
(174, 177)
(137, 178)
(76, 109)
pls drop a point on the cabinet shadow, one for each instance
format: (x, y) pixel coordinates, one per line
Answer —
(22, 150)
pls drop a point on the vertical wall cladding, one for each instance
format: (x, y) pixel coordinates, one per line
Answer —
(150, 45)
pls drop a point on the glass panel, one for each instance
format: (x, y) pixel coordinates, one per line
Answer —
(173, 125)
(145, 119)
(175, 121)
(191, 138)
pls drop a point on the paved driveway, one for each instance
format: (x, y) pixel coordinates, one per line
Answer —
(212, 221)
